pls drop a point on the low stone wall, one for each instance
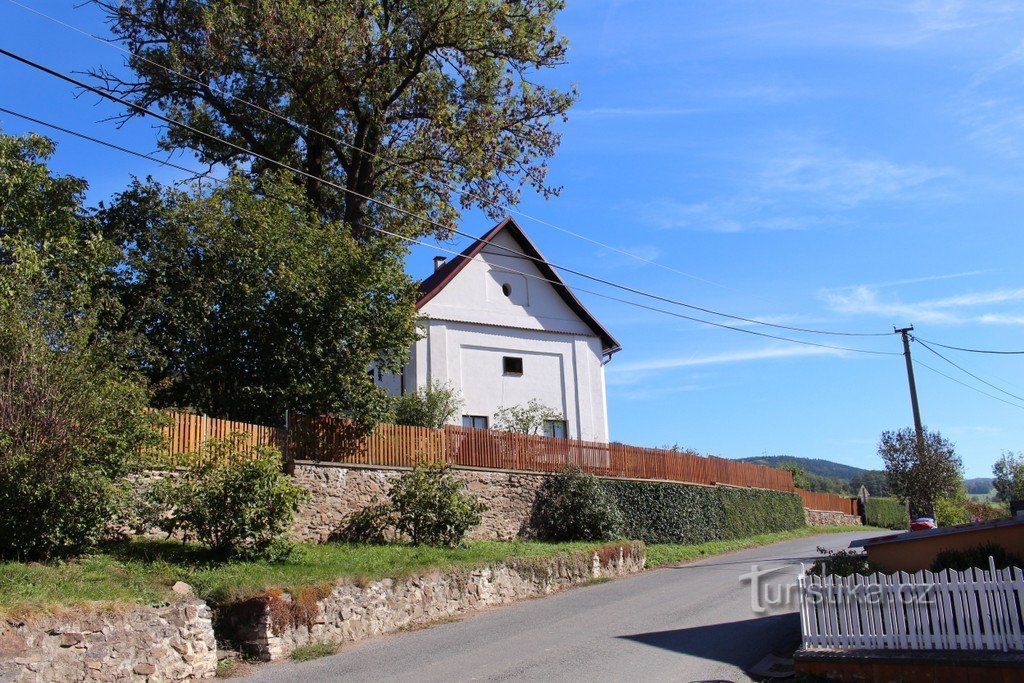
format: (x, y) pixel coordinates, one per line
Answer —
(337, 491)
(272, 625)
(830, 518)
(169, 643)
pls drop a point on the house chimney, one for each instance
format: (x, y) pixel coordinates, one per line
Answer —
(438, 262)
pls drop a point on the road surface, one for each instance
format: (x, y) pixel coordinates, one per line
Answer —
(687, 623)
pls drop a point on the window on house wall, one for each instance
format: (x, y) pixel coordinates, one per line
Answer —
(512, 365)
(556, 429)
(475, 421)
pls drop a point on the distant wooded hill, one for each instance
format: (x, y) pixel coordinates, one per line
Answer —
(979, 485)
(816, 474)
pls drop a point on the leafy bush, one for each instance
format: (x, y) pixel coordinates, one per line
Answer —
(431, 406)
(983, 512)
(525, 419)
(71, 422)
(961, 560)
(238, 504)
(840, 563)
(749, 512)
(888, 513)
(431, 507)
(687, 514)
(668, 513)
(573, 506)
(952, 510)
(372, 524)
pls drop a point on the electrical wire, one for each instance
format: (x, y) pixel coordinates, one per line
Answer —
(960, 348)
(954, 379)
(464, 256)
(966, 371)
(610, 283)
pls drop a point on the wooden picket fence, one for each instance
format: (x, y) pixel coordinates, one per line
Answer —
(331, 439)
(184, 434)
(975, 609)
(828, 501)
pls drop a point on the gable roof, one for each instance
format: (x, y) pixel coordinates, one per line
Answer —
(439, 279)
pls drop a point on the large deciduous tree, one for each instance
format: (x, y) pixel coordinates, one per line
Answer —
(244, 302)
(448, 89)
(920, 471)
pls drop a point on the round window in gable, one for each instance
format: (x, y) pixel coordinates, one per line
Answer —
(506, 289)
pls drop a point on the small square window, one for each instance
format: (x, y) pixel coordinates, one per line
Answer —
(474, 421)
(512, 365)
(555, 429)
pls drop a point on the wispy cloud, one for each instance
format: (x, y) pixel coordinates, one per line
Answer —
(826, 182)
(837, 180)
(923, 279)
(958, 309)
(628, 373)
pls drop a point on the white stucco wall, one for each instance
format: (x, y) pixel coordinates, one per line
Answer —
(471, 324)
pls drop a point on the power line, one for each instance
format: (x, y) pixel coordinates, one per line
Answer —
(954, 379)
(966, 371)
(348, 145)
(98, 141)
(464, 256)
(144, 111)
(960, 348)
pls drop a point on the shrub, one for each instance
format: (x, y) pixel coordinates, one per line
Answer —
(432, 406)
(525, 419)
(840, 563)
(952, 510)
(668, 513)
(573, 506)
(372, 524)
(961, 560)
(237, 503)
(687, 514)
(888, 513)
(431, 507)
(71, 427)
(983, 512)
(749, 512)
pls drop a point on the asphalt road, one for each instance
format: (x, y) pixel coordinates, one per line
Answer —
(687, 623)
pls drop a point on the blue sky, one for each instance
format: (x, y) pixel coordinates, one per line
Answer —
(846, 166)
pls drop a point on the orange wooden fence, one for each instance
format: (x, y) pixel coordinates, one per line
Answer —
(828, 501)
(329, 439)
(184, 433)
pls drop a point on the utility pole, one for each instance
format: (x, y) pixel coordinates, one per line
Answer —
(910, 378)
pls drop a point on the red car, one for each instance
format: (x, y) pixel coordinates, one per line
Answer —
(922, 523)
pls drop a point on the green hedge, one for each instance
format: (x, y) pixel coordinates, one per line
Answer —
(889, 513)
(678, 513)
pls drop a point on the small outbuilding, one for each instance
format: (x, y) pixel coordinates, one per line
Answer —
(916, 550)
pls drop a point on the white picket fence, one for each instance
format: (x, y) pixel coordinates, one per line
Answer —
(971, 610)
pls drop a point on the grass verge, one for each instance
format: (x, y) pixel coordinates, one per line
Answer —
(142, 571)
(305, 653)
(659, 554)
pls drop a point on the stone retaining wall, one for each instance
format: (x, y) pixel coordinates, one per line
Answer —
(272, 625)
(830, 518)
(337, 491)
(167, 643)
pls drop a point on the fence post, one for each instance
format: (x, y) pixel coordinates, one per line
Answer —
(289, 464)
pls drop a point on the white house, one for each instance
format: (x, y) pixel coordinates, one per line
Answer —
(503, 328)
